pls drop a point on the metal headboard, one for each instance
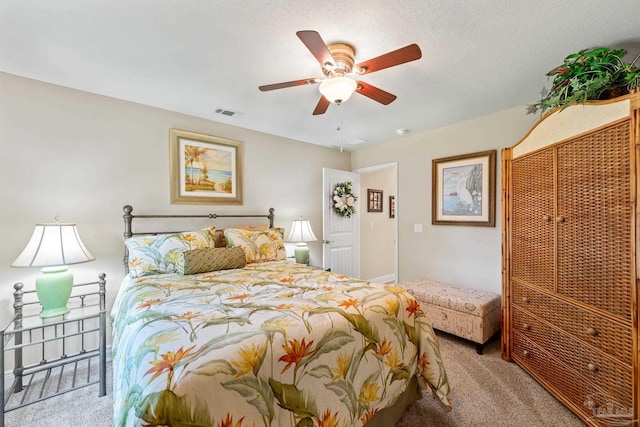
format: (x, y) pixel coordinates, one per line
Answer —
(128, 230)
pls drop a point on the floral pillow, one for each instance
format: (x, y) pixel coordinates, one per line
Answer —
(259, 246)
(159, 254)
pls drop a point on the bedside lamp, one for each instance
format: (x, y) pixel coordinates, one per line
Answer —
(53, 246)
(301, 233)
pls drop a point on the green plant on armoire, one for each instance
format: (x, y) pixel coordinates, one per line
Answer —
(590, 74)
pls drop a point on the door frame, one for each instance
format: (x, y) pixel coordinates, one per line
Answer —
(376, 168)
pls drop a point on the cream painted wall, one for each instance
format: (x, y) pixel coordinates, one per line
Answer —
(83, 156)
(467, 256)
(376, 228)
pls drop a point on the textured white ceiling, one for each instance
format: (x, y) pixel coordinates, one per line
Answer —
(193, 56)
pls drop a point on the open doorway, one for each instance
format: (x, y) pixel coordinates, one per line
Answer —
(379, 222)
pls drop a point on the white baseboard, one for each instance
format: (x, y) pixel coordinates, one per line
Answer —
(382, 279)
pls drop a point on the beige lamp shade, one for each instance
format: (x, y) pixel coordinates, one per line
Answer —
(53, 244)
(301, 232)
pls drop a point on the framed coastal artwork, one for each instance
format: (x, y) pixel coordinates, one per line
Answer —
(205, 169)
(463, 189)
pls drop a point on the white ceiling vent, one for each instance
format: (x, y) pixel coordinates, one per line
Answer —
(228, 113)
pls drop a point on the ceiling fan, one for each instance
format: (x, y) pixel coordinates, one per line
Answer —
(337, 62)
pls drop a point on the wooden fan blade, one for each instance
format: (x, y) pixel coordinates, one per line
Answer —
(374, 93)
(288, 84)
(391, 59)
(317, 47)
(322, 106)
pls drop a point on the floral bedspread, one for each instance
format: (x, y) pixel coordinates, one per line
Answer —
(273, 344)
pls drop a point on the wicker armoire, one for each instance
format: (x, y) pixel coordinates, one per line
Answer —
(571, 255)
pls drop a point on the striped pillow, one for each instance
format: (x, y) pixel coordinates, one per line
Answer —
(210, 259)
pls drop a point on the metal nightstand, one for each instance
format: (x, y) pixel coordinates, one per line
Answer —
(68, 347)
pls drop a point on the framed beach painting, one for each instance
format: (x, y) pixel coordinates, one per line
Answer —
(205, 169)
(463, 189)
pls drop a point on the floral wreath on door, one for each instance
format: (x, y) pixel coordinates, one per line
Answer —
(343, 199)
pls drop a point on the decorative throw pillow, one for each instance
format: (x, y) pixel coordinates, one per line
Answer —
(210, 259)
(258, 246)
(159, 254)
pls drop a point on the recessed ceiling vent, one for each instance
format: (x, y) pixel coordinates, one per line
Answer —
(228, 113)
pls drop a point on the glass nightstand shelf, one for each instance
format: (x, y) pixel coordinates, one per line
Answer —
(55, 355)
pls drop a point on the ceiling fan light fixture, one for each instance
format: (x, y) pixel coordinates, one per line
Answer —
(338, 89)
(337, 61)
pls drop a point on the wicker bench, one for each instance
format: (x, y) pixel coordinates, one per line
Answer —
(466, 313)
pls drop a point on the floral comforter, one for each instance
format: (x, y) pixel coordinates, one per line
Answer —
(273, 344)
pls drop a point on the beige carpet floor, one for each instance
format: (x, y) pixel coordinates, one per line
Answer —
(485, 391)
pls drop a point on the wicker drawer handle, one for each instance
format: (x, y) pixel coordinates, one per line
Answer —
(560, 219)
(526, 326)
(546, 218)
(525, 300)
(592, 367)
(592, 332)
(526, 353)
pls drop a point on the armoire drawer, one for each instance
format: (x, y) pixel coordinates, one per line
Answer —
(609, 336)
(613, 377)
(558, 378)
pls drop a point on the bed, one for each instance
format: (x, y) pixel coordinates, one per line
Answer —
(273, 343)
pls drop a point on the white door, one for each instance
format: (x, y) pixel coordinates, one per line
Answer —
(341, 235)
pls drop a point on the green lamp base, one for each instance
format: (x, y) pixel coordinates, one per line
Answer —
(302, 253)
(53, 288)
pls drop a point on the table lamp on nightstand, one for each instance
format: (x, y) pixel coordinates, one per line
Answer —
(301, 233)
(54, 246)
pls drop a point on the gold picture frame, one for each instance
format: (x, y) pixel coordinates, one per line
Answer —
(463, 190)
(205, 169)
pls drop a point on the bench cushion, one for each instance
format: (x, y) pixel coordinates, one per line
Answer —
(465, 300)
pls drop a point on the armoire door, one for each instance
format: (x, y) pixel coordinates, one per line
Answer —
(595, 219)
(532, 246)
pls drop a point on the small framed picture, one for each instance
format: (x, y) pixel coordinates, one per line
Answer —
(463, 190)
(374, 198)
(205, 169)
(392, 206)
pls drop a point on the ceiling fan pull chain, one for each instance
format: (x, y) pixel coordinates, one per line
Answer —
(339, 128)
